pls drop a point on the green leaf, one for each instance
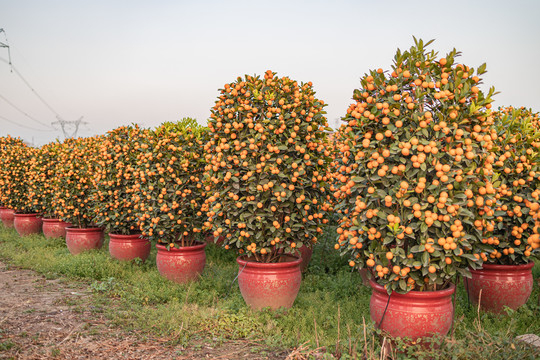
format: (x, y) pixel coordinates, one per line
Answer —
(481, 69)
(402, 284)
(425, 259)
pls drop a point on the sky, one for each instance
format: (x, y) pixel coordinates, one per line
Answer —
(116, 62)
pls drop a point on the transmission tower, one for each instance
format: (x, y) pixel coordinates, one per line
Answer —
(65, 125)
(5, 45)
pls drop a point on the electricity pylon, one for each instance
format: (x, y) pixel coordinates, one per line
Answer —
(64, 124)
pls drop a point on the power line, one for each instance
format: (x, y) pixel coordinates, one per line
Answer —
(21, 125)
(22, 112)
(64, 124)
(14, 69)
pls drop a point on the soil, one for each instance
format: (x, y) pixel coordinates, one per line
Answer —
(57, 319)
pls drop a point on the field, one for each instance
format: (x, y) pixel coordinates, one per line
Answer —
(92, 305)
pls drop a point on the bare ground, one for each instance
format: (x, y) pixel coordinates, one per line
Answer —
(56, 319)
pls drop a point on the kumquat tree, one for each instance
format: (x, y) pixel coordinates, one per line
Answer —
(115, 179)
(19, 166)
(47, 180)
(169, 195)
(414, 171)
(7, 143)
(515, 237)
(74, 200)
(267, 166)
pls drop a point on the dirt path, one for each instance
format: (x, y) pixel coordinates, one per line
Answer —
(56, 319)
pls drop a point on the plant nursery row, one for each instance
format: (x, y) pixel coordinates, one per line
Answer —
(425, 182)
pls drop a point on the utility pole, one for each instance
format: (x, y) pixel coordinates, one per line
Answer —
(65, 124)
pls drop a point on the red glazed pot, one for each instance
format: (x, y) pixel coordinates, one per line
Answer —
(128, 247)
(181, 265)
(54, 228)
(271, 285)
(501, 285)
(7, 215)
(414, 315)
(305, 254)
(27, 224)
(79, 240)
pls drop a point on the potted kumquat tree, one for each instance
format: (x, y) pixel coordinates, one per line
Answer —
(412, 160)
(512, 237)
(47, 187)
(169, 197)
(114, 183)
(267, 173)
(74, 200)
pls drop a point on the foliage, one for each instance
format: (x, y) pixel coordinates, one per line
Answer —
(74, 201)
(169, 196)
(515, 226)
(6, 148)
(47, 180)
(267, 165)
(20, 176)
(413, 169)
(114, 180)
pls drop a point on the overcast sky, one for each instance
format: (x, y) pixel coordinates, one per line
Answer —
(121, 62)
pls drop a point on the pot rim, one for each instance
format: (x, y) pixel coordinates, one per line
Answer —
(196, 247)
(137, 236)
(415, 293)
(26, 215)
(78, 229)
(53, 220)
(117, 234)
(260, 265)
(499, 267)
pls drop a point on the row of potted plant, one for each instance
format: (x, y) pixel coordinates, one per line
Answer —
(428, 183)
(172, 184)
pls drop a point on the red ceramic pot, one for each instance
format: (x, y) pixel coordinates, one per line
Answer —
(501, 285)
(181, 265)
(7, 216)
(79, 240)
(271, 285)
(415, 315)
(128, 247)
(54, 228)
(27, 224)
(305, 254)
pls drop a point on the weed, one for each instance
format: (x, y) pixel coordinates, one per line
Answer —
(6, 345)
(103, 286)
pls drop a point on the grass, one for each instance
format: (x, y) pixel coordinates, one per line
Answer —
(330, 315)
